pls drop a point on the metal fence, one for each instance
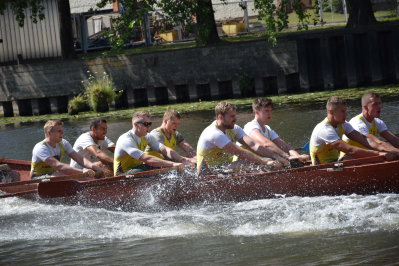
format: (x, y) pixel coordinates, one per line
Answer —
(232, 18)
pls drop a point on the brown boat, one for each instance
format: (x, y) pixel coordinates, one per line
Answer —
(159, 189)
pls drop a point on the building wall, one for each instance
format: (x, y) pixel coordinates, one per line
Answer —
(83, 6)
(41, 40)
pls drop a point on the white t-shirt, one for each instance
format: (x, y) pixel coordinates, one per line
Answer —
(363, 128)
(213, 137)
(84, 141)
(267, 132)
(43, 150)
(128, 144)
(324, 133)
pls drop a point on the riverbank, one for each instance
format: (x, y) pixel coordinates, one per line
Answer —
(307, 100)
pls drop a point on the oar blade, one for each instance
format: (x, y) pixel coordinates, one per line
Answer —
(58, 189)
(306, 147)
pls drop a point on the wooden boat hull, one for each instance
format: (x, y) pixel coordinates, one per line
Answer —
(363, 176)
(158, 190)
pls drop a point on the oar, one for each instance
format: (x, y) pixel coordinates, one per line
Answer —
(68, 188)
(54, 178)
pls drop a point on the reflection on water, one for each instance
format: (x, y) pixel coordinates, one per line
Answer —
(295, 230)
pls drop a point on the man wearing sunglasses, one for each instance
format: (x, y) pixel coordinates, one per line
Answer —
(129, 156)
(168, 135)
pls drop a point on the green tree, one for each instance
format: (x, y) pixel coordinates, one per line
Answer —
(20, 6)
(273, 12)
(360, 13)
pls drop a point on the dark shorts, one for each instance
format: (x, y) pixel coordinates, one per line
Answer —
(140, 168)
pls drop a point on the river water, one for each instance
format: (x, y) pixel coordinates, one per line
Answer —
(342, 230)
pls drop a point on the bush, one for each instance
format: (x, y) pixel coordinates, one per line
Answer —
(100, 92)
(77, 104)
(247, 86)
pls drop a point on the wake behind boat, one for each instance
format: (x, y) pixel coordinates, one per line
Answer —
(161, 188)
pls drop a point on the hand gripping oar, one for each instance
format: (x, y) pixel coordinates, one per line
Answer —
(68, 188)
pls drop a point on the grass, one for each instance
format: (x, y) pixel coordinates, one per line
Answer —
(308, 100)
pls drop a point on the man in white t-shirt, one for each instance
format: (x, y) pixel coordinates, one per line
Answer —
(217, 144)
(129, 156)
(259, 131)
(47, 154)
(326, 141)
(93, 146)
(369, 123)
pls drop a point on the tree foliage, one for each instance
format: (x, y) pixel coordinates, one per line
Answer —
(19, 7)
(199, 13)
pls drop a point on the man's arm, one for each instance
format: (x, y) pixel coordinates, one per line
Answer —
(391, 138)
(354, 151)
(112, 148)
(249, 142)
(244, 154)
(372, 142)
(62, 167)
(186, 147)
(85, 162)
(102, 156)
(257, 136)
(157, 162)
(291, 151)
(174, 156)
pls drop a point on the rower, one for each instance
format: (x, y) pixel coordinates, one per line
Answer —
(369, 124)
(326, 140)
(168, 135)
(259, 131)
(94, 146)
(48, 153)
(216, 145)
(129, 156)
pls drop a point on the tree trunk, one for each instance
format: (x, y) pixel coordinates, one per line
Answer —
(66, 34)
(360, 13)
(206, 25)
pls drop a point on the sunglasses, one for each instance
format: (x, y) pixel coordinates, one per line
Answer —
(146, 124)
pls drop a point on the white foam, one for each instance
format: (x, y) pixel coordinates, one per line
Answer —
(26, 220)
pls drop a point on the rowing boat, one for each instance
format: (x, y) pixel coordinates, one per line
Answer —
(159, 189)
(26, 187)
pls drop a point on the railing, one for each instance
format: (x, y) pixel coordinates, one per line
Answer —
(231, 19)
